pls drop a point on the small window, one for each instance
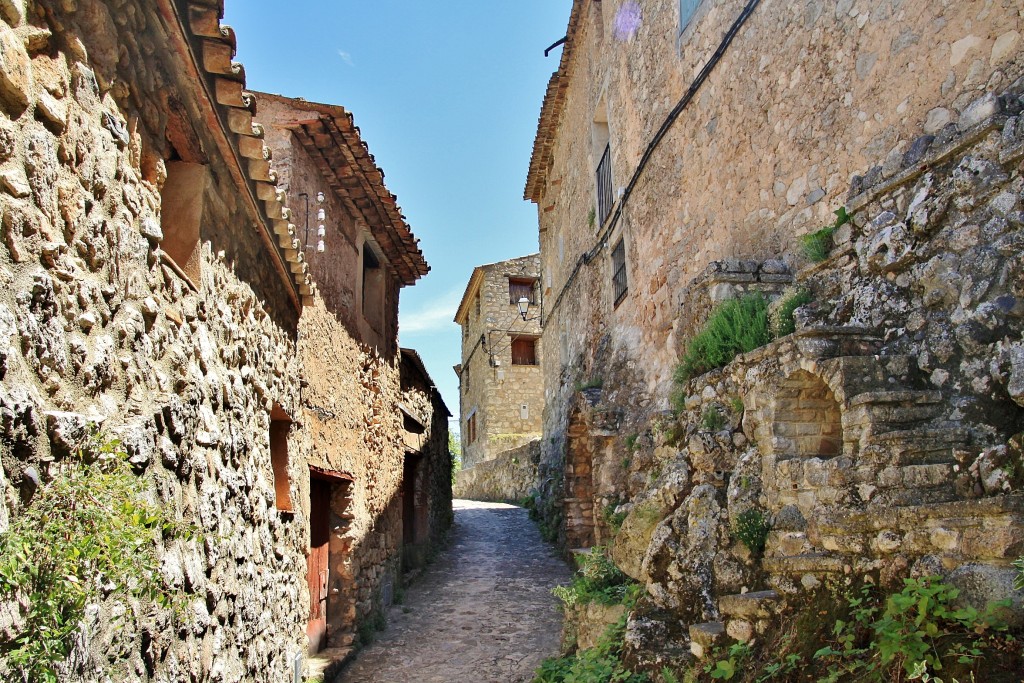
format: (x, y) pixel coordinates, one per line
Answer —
(619, 284)
(519, 288)
(279, 427)
(181, 213)
(524, 350)
(686, 10)
(373, 289)
(471, 428)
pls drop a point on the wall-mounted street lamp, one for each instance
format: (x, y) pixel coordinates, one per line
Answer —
(524, 307)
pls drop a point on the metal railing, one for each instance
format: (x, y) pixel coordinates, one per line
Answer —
(604, 186)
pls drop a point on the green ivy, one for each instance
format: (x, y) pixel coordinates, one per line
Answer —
(88, 534)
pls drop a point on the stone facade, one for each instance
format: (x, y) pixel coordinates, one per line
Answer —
(882, 437)
(500, 382)
(805, 96)
(155, 283)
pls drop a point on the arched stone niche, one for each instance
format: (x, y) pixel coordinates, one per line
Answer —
(807, 420)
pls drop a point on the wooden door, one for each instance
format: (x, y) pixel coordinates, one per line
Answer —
(317, 569)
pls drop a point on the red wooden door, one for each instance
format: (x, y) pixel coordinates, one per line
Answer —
(317, 569)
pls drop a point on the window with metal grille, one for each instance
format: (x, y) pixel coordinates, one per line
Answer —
(686, 10)
(524, 350)
(519, 288)
(604, 186)
(619, 284)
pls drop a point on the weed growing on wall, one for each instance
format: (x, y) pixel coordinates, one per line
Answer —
(734, 327)
(597, 579)
(752, 529)
(712, 419)
(782, 321)
(818, 245)
(1018, 581)
(612, 518)
(89, 534)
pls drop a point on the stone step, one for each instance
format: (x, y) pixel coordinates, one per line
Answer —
(921, 446)
(704, 637)
(752, 605)
(905, 397)
(805, 563)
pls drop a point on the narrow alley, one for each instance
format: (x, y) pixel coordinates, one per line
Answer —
(482, 612)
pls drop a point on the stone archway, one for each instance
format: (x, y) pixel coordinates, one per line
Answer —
(579, 484)
(807, 421)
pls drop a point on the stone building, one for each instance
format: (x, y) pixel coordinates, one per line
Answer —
(500, 383)
(683, 149)
(158, 281)
(662, 148)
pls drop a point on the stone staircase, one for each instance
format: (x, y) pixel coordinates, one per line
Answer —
(744, 615)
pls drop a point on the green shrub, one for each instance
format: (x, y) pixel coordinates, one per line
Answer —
(597, 579)
(631, 440)
(88, 534)
(752, 529)
(592, 383)
(1018, 581)
(782, 320)
(734, 327)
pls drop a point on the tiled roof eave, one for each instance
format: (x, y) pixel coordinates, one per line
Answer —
(210, 48)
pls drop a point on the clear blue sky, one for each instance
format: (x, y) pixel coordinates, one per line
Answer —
(446, 95)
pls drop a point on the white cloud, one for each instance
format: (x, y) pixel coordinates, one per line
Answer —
(433, 317)
(346, 57)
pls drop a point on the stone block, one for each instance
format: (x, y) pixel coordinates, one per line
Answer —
(705, 637)
(15, 72)
(756, 604)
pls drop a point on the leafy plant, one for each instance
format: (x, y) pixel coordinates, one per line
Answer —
(734, 327)
(592, 383)
(919, 625)
(89, 534)
(1018, 581)
(736, 403)
(712, 419)
(752, 529)
(818, 245)
(599, 664)
(591, 217)
(782, 320)
(727, 668)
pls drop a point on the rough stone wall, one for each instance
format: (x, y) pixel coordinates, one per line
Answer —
(509, 476)
(96, 326)
(807, 95)
(882, 438)
(498, 391)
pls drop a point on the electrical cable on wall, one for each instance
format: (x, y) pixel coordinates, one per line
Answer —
(691, 92)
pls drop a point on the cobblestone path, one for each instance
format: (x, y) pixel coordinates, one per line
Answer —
(481, 613)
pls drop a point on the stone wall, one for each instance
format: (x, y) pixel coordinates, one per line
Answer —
(881, 439)
(806, 96)
(510, 476)
(235, 387)
(98, 326)
(491, 387)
